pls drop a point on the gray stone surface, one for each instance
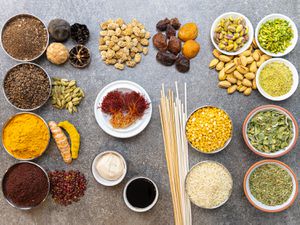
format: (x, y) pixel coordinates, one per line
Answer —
(144, 153)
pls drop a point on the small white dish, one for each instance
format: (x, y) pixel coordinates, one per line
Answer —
(103, 119)
(276, 16)
(261, 206)
(136, 209)
(295, 79)
(100, 179)
(234, 15)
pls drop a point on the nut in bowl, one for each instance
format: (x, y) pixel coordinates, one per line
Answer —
(276, 35)
(277, 79)
(270, 131)
(232, 33)
(209, 129)
(270, 186)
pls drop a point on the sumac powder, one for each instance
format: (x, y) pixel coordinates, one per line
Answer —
(24, 37)
(25, 185)
(27, 86)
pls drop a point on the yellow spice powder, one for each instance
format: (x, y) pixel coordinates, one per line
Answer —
(26, 136)
(208, 129)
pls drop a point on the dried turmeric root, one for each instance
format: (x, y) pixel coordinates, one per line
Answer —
(61, 141)
(74, 137)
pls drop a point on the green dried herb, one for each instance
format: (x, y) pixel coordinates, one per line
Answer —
(270, 131)
(271, 185)
(275, 35)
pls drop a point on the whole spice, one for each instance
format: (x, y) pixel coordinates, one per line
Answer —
(27, 86)
(66, 94)
(271, 185)
(162, 24)
(74, 137)
(188, 31)
(25, 185)
(80, 33)
(275, 35)
(59, 30)
(80, 56)
(231, 34)
(209, 184)
(270, 131)
(276, 79)
(160, 41)
(166, 58)
(182, 64)
(124, 107)
(190, 49)
(25, 136)
(67, 186)
(57, 53)
(208, 129)
(174, 45)
(24, 37)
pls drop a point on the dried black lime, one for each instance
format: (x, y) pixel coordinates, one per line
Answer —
(80, 33)
(59, 30)
(80, 56)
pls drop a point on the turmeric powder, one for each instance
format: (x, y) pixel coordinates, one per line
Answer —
(26, 136)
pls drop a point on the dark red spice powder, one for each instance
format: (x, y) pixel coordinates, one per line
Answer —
(25, 185)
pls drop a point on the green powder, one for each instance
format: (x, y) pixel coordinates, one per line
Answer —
(276, 79)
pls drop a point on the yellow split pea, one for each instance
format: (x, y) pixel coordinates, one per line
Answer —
(208, 129)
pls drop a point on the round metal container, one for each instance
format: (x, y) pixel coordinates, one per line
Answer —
(27, 110)
(14, 205)
(222, 203)
(10, 120)
(14, 17)
(219, 149)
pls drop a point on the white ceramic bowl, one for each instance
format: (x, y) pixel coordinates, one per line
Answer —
(271, 154)
(293, 41)
(100, 179)
(135, 209)
(103, 119)
(234, 15)
(261, 206)
(295, 79)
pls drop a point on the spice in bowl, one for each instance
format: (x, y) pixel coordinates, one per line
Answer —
(27, 86)
(271, 185)
(276, 79)
(209, 129)
(275, 35)
(25, 136)
(270, 131)
(208, 184)
(24, 37)
(25, 185)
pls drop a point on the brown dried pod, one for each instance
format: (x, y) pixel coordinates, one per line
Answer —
(174, 45)
(160, 41)
(175, 23)
(162, 24)
(166, 58)
(182, 64)
(80, 56)
(170, 31)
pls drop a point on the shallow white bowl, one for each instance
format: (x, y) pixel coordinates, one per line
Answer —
(295, 79)
(276, 16)
(103, 119)
(234, 15)
(100, 179)
(261, 206)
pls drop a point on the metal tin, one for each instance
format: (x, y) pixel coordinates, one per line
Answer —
(10, 120)
(20, 15)
(27, 110)
(217, 150)
(25, 208)
(211, 161)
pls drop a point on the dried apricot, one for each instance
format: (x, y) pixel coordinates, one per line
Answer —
(188, 31)
(190, 49)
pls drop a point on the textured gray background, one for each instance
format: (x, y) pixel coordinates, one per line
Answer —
(144, 153)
